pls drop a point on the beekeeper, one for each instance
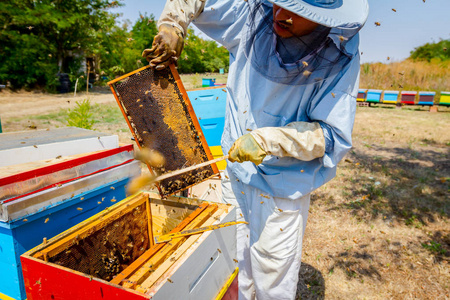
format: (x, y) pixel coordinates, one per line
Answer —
(291, 100)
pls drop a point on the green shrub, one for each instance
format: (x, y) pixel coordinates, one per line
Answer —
(81, 115)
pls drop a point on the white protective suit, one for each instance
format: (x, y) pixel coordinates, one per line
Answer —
(305, 129)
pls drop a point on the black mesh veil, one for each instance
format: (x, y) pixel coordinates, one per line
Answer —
(293, 61)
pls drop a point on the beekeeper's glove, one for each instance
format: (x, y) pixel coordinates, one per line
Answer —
(301, 140)
(246, 148)
(172, 25)
(166, 48)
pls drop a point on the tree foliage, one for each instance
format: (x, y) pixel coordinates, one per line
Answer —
(201, 56)
(432, 51)
(41, 38)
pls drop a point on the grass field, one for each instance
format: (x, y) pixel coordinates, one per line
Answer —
(379, 230)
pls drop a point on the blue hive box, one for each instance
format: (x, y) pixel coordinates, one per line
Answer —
(209, 106)
(426, 98)
(40, 199)
(390, 97)
(373, 96)
(208, 82)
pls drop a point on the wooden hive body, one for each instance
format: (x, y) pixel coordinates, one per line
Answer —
(113, 253)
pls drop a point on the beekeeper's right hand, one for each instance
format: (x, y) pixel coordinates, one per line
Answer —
(172, 25)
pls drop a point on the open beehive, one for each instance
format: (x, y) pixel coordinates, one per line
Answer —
(160, 116)
(113, 253)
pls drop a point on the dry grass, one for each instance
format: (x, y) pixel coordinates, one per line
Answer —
(380, 229)
(406, 75)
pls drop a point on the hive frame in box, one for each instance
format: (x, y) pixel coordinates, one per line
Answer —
(203, 267)
(136, 102)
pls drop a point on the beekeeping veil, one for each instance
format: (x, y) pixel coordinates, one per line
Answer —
(301, 60)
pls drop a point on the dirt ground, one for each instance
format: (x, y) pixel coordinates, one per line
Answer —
(379, 230)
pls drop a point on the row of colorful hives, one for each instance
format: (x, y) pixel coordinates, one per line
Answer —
(404, 97)
(50, 181)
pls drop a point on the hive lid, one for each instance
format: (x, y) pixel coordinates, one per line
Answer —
(160, 117)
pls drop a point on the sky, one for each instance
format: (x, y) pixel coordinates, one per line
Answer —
(414, 23)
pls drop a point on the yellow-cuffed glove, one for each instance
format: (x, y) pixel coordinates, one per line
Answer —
(246, 148)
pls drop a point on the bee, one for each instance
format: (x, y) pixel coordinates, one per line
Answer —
(141, 105)
(244, 112)
(44, 241)
(301, 171)
(227, 177)
(235, 260)
(394, 10)
(217, 98)
(169, 280)
(113, 188)
(333, 94)
(99, 202)
(220, 251)
(25, 220)
(306, 73)
(289, 21)
(203, 51)
(388, 58)
(212, 8)
(280, 211)
(281, 229)
(400, 73)
(224, 90)
(34, 146)
(305, 63)
(130, 39)
(30, 27)
(377, 24)
(82, 198)
(248, 129)
(262, 202)
(342, 38)
(79, 208)
(242, 193)
(46, 220)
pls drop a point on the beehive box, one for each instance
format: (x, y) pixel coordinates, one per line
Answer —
(390, 97)
(209, 106)
(426, 98)
(374, 96)
(112, 256)
(444, 99)
(43, 198)
(361, 95)
(408, 97)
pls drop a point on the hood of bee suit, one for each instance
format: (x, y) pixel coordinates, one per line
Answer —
(340, 14)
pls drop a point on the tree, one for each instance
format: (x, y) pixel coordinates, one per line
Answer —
(431, 51)
(42, 37)
(201, 56)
